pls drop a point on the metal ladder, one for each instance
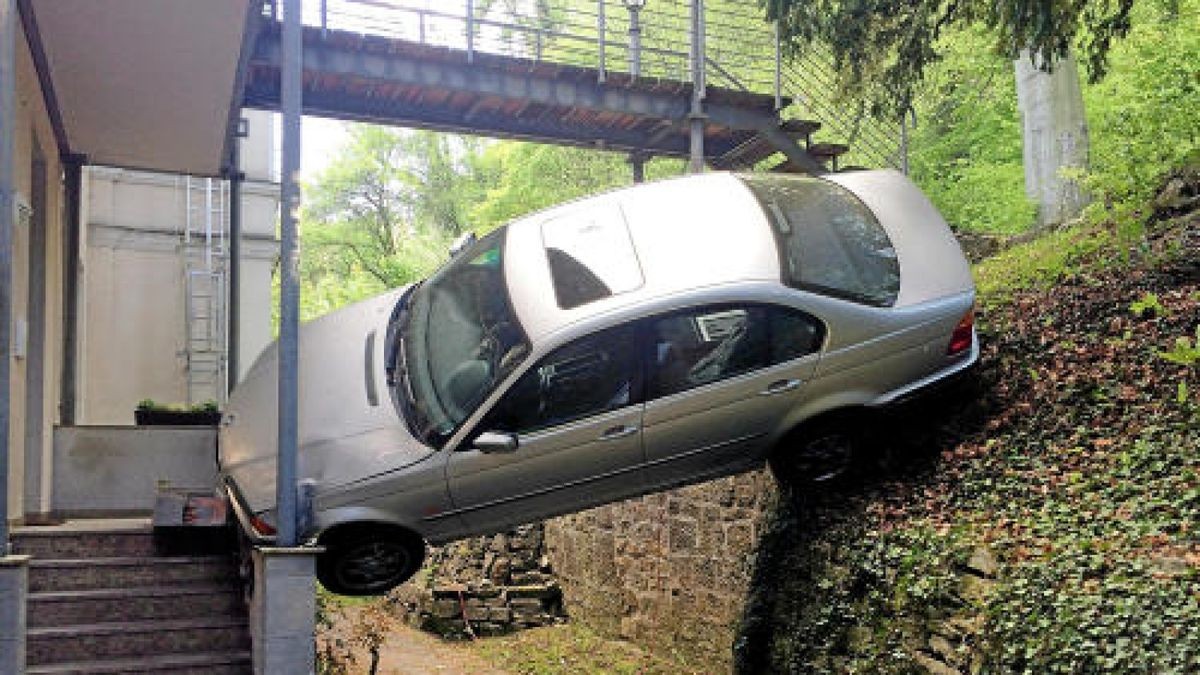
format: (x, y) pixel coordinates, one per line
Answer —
(205, 267)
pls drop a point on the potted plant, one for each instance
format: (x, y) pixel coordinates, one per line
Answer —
(152, 413)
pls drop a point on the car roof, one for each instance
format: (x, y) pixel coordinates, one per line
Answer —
(686, 233)
(710, 230)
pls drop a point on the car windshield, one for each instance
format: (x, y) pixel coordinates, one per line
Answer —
(458, 340)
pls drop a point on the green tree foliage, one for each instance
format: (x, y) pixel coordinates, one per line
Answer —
(882, 48)
(383, 213)
(1144, 118)
(966, 148)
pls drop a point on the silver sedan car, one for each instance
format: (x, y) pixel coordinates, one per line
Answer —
(631, 342)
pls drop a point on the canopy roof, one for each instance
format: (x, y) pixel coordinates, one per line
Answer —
(146, 85)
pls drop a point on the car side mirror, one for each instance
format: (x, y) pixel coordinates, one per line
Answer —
(495, 441)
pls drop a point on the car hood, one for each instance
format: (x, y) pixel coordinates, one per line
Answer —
(348, 427)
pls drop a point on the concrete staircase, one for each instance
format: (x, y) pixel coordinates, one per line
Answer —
(120, 598)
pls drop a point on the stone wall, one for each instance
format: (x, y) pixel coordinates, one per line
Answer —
(667, 571)
(486, 586)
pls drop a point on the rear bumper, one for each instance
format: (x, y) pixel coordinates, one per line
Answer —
(939, 382)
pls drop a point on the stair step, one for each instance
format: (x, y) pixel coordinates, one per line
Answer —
(828, 150)
(201, 663)
(60, 608)
(129, 639)
(123, 572)
(800, 127)
(135, 540)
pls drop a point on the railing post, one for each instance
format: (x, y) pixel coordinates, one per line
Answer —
(696, 117)
(635, 40)
(778, 71)
(421, 26)
(470, 31)
(601, 27)
(324, 18)
(291, 95)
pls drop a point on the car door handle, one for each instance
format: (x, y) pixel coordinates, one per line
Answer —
(779, 387)
(619, 431)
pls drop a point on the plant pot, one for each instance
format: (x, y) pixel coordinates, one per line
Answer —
(177, 418)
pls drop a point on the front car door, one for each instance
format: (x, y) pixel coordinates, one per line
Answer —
(577, 415)
(719, 380)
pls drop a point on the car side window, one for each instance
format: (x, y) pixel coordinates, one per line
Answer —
(793, 334)
(592, 375)
(697, 347)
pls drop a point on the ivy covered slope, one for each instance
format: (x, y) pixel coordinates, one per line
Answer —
(1048, 521)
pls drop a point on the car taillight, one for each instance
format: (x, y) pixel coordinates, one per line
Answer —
(960, 339)
(261, 526)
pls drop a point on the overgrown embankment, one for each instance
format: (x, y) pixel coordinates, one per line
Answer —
(1048, 524)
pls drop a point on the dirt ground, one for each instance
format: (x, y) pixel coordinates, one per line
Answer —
(404, 650)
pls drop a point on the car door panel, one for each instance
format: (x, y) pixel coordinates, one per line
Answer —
(731, 400)
(720, 428)
(554, 470)
(577, 416)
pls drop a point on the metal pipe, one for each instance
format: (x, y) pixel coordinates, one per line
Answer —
(601, 28)
(324, 18)
(73, 177)
(289, 278)
(8, 97)
(233, 361)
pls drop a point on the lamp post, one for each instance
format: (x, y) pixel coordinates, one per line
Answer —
(635, 36)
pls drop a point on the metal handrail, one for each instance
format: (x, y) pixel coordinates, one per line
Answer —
(590, 35)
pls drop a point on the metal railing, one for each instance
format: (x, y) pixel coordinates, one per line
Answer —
(741, 50)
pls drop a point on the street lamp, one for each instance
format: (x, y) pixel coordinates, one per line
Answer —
(635, 36)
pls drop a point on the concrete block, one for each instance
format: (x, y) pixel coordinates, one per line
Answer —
(283, 610)
(14, 590)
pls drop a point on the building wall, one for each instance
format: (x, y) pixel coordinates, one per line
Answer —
(32, 122)
(134, 320)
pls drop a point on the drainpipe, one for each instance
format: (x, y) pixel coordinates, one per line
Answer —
(289, 277)
(232, 348)
(8, 96)
(73, 176)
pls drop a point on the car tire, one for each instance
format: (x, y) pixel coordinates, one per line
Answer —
(361, 561)
(824, 455)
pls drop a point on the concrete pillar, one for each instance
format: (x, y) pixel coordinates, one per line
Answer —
(233, 362)
(14, 589)
(1054, 129)
(283, 610)
(73, 210)
(8, 116)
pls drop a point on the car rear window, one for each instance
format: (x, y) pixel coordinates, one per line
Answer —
(590, 255)
(829, 241)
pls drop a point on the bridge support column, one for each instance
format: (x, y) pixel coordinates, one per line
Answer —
(637, 161)
(289, 277)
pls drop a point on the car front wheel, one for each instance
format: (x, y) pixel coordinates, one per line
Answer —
(368, 562)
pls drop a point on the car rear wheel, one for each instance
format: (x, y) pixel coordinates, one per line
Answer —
(826, 455)
(364, 561)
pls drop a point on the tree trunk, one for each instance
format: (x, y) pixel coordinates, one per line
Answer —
(1054, 129)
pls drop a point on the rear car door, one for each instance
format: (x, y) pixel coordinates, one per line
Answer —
(577, 415)
(719, 380)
